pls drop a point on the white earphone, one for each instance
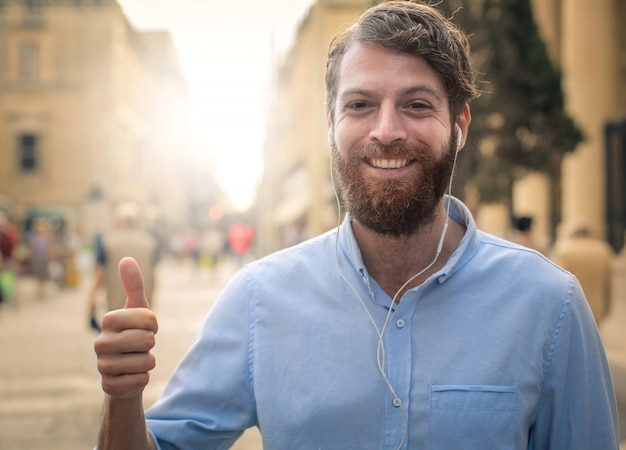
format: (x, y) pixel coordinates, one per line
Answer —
(380, 331)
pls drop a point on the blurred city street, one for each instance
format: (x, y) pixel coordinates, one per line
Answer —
(162, 130)
(49, 387)
(50, 395)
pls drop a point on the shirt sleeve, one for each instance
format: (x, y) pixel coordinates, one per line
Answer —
(209, 400)
(577, 409)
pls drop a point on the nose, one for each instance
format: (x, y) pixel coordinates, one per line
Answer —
(388, 126)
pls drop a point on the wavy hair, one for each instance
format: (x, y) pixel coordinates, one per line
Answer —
(416, 29)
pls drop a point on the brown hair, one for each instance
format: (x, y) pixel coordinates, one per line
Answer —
(413, 28)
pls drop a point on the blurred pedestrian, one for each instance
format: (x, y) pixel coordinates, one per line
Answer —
(70, 247)
(127, 238)
(192, 246)
(590, 259)
(9, 238)
(240, 237)
(40, 248)
(213, 241)
(524, 233)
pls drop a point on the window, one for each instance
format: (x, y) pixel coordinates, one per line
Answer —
(29, 61)
(34, 6)
(28, 156)
(615, 156)
(33, 13)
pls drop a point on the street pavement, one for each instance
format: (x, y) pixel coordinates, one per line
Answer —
(50, 396)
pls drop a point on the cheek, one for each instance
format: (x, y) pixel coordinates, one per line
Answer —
(344, 135)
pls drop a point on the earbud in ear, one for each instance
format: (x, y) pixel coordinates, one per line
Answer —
(459, 138)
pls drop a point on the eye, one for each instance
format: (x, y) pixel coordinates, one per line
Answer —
(419, 105)
(419, 108)
(357, 105)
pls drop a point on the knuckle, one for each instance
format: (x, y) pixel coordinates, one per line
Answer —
(98, 346)
(148, 320)
(155, 325)
(109, 386)
(126, 385)
(105, 367)
(101, 346)
(108, 320)
(149, 340)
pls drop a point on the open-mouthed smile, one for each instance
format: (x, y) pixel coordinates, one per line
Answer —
(387, 163)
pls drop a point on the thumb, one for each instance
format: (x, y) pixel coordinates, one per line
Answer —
(132, 280)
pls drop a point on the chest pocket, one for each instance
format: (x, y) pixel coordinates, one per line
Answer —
(472, 417)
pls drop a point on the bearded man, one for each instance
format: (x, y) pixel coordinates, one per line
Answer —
(403, 328)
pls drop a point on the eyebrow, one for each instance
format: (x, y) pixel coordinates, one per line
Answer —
(356, 91)
(421, 88)
(424, 88)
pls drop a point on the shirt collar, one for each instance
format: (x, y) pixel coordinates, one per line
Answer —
(463, 253)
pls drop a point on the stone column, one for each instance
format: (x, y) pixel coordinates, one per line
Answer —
(547, 16)
(589, 57)
(530, 198)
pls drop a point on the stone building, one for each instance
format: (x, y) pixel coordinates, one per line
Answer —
(92, 112)
(584, 39)
(296, 195)
(587, 40)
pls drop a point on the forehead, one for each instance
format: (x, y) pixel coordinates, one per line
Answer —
(369, 66)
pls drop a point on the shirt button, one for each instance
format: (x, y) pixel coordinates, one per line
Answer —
(396, 402)
(400, 323)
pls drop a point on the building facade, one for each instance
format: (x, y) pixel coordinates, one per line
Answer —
(92, 113)
(584, 39)
(296, 197)
(587, 41)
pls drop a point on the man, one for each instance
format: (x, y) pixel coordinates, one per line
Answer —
(405, 327)
(590, 259)
(126, 238)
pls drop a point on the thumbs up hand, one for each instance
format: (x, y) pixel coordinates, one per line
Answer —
(128, 335)
(132, 279)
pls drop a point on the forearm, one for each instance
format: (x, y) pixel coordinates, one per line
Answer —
(123, 425)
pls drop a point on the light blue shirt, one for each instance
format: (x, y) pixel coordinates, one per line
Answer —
(496, 351)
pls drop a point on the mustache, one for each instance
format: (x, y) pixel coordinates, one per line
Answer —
(385, 150)
(395, 150)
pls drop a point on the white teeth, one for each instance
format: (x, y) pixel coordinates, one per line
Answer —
(389, 163)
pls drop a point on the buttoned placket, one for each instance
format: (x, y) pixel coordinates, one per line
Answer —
(398, 353)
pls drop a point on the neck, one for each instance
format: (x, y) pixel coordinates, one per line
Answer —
(392, 261)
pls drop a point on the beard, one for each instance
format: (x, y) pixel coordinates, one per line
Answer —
(394, 207)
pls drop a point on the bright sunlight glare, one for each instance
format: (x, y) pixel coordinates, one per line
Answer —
(225, 50)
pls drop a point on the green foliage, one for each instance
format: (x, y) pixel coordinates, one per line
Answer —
(519, 123)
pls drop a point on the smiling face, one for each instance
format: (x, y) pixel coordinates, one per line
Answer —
(391, 136)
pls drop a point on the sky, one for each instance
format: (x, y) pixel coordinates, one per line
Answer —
(225, 53)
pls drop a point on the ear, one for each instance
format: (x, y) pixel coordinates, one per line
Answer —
(462, 123)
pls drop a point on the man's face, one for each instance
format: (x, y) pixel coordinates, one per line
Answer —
(391, 139)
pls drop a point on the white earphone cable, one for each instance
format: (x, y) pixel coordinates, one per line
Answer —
(380, 351)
